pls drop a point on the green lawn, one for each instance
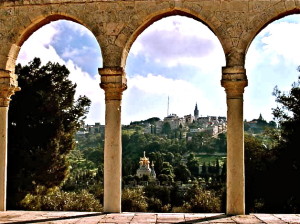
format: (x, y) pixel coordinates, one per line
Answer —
(211, 159)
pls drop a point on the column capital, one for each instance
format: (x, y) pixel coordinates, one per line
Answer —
(234, 80)
(8, 87)
(113, 81)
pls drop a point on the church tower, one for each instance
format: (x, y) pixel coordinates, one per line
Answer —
(196, 112)
(145, 168)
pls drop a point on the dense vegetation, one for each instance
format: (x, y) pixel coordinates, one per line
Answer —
(273, 167)
(43, 119)
(48, 171)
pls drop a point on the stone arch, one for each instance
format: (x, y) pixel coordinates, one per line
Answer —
(156, 16)
(27, 31)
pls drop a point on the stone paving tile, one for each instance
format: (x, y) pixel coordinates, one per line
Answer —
(289, 218)
(246, 219)
(170, 218)
(146, 218)
(117, 218)
(89, 220)
(215, 218)
(270, 219)
(223, 221)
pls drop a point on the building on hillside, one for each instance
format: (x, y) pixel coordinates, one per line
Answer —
(90, 129)
(145, 169)
(174, 121)
(195, 130)
(203, 120)
(191, 124)
(93, 129)
(222, 119)
(189, 119)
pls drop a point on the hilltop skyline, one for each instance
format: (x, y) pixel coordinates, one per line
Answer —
(176, 57)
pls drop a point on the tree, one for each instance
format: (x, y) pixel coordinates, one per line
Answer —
(221, 142)
(200, 200)
(287, 113)
(193, 165)
(133, 200)
(182, 173)
(258, 169)
(166, 128)
(43, 119)
(278, 162)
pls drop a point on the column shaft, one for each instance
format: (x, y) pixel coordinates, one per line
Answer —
(112, 157)
(3, 156)
(235, 158)
(234, 80)
(113, 81)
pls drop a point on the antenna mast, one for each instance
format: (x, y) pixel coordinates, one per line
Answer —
(168, 106)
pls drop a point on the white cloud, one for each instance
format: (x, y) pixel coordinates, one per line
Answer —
(278, 42)
(89, 86)
(81, 30)
(147, 97)
(179, 40)
(39, 45)
(272, 60)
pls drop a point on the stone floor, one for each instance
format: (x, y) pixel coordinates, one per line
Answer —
(22, 217)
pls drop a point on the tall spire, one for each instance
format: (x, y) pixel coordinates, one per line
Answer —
(196, 112)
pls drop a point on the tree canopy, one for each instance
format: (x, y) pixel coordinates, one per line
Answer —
(43, 119)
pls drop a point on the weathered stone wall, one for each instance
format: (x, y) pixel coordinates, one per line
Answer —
(117, 23)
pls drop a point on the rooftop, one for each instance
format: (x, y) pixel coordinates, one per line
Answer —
(22, 217)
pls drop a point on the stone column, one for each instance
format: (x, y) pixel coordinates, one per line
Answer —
(234, 81)
(113, 82)
(8, 86)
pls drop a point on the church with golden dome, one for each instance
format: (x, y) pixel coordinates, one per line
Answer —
(145, 169)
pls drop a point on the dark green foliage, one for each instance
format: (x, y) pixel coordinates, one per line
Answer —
(57, 200)
(200, 200)
(287, 114)
(273, 160)
(166, 128)
(259, 170)
(133, 200)
(182, 173)
(154, 205)
(151, 120)
(193, 165)
(163, 193)
(43, 118)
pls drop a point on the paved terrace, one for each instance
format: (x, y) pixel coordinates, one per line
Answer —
(22, 217)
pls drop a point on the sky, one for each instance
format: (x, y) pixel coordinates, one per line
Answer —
(177, 58)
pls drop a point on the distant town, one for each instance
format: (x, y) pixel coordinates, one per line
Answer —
(188, 125)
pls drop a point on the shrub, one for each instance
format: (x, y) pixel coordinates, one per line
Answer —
(58, 200)
(133, 200)
(202, 201)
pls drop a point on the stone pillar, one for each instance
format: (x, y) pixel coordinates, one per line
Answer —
(234, 81)
(113, 82)
(8, 86)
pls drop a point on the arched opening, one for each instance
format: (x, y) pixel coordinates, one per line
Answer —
(270, 155)
(172, 65)
(68, 164)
